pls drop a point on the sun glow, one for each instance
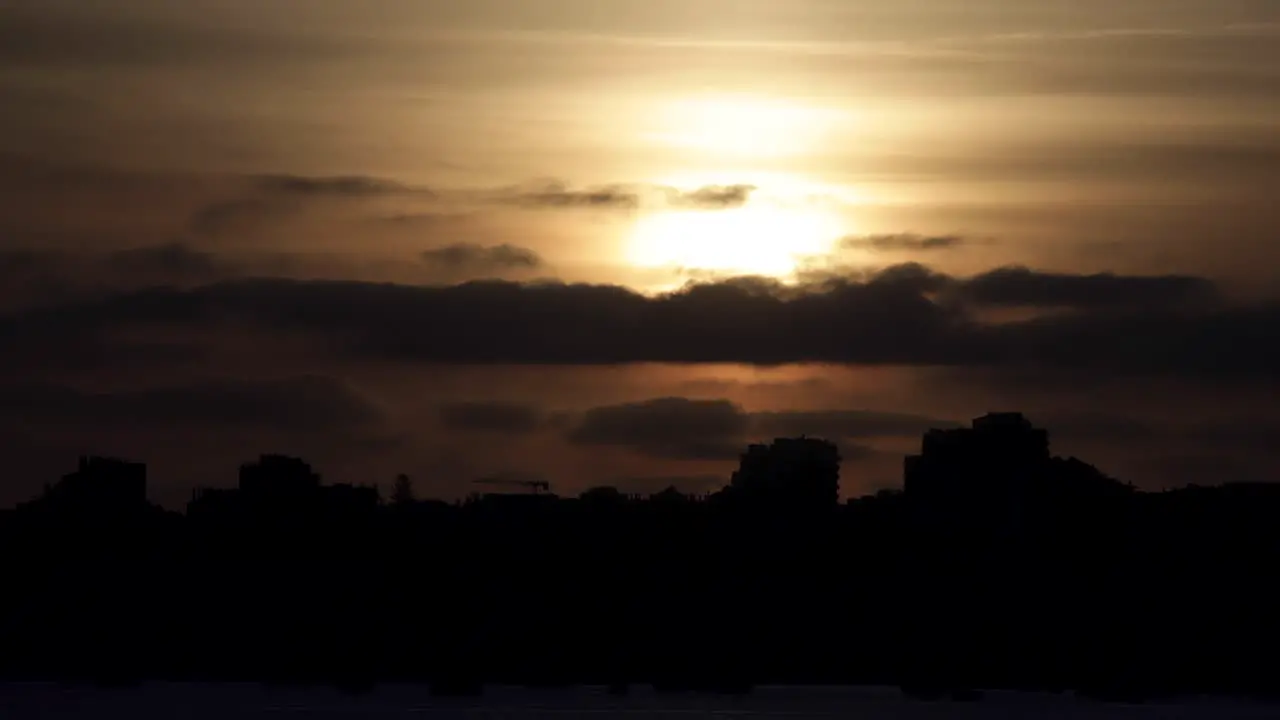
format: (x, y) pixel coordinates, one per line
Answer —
(751, 240)
(742, 125)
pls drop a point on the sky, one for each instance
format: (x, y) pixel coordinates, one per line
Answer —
(610, 243)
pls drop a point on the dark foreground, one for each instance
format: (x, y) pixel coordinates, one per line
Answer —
(21, 701)
(998, 567)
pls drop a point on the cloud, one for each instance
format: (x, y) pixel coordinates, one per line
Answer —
(46, 277)
(852, 452)
(272, 198)
(557, 195)
(430, 220)
(676, 428)
(889, 318)
(174, 260)
(307, 403)
(630, 197)
(1094, 426)
(504, 418)
(672, 428)
(901, 241)
(1240, 160)
(472, 258)
(827, 271)
(837, 424)
(1020, 286)
(26, 275)
(336, 186)
(240, 215)
(711, 196)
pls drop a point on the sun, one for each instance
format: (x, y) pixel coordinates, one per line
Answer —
(751, 240)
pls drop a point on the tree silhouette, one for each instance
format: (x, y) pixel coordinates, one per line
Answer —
(402, 491)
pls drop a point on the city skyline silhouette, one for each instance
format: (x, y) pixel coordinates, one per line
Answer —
(997, 566)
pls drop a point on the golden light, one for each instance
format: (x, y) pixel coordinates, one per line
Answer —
(752, 240)
(740, 125)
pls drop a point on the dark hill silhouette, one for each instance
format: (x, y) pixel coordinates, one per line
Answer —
(997, 566)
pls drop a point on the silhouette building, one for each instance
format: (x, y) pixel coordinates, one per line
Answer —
(103, 483)
(279, 483)
(790, 471)
(278, 476)
(992, 472)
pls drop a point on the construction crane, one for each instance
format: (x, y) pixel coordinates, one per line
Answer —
(537, 486)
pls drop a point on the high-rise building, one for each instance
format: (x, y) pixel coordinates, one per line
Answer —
(997, 474)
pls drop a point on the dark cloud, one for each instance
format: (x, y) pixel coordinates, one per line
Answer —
(27, 275)
(507, 418)
(673, 428)
(173, 261)
(916, 277)
(430, 220)
(683, 429)
(823, 273)
(307, 403)
(44, 277)
(472, 258)
(711, 197)
(901, 241)
(336, 186)
(886, 319)
(21, 261)
(1097, 426)
(239, 215)
(271, 198)
(557, 195)
(630, 197)
(852, 452)
(835, 424)
(1020, 286)
(1242, 434)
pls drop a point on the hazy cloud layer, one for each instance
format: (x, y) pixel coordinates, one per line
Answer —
(705, 429)
(186, 190)
(901, 242)
(711, 196)
(672, 428)
(1117, 323)
(274, 198)
(338, 186)
(630, 197)
(503, 418)
(300, 404)
(844, 424)
(471, 258)
(1020, 286)
(30, 277)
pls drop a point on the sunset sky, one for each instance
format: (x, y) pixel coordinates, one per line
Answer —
(612, 241)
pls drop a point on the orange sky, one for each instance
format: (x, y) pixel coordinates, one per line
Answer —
(644, 144)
